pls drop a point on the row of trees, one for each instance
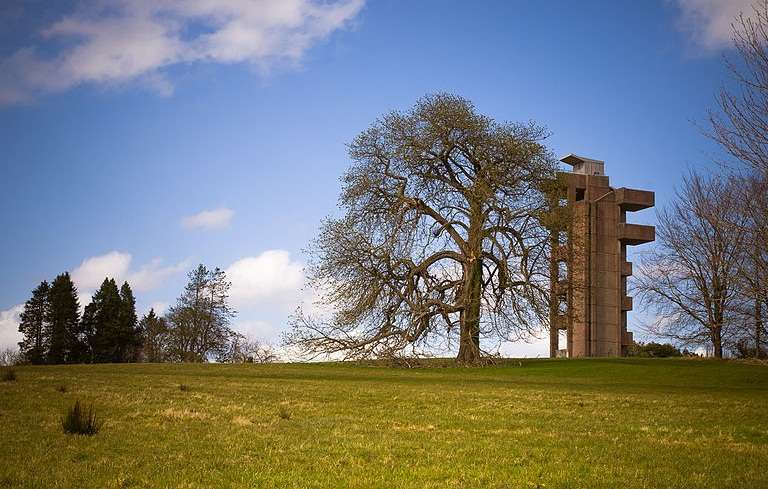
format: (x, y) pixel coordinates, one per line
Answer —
(196, 329)
(54, 332)
(707, 279)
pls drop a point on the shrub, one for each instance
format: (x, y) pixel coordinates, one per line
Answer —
(184, 387)
(284, 413)
(743, 349)
(81, 421)
(61, 388)
(9, 375)
(10, 357)
(653, 350)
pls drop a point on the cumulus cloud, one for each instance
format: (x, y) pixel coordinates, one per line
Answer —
(709, 21)
(210, 219)
(115, 264)
(9, 327)
(120, 41)
(271, 278)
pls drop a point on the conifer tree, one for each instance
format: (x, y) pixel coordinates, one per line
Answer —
(154, 334)
(128, 338)
(63, 326)
(33, 347)
(101, 323)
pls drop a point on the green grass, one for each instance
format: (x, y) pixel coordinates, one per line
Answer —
(538, 423)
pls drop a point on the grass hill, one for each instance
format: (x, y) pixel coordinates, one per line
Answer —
(530, 423)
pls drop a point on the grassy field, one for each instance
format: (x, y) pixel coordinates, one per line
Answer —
(535, 423)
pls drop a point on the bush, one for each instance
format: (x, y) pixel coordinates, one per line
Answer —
(9, 375)
(61, 388)
(743, 349)
(80, 421)
(10, 357)
(184, 387)
(653, 350)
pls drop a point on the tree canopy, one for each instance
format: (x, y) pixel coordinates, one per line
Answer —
(439, 237)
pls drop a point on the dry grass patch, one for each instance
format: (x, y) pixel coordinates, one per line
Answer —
(182, 414)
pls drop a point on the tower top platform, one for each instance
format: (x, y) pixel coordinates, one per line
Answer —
(584, 166)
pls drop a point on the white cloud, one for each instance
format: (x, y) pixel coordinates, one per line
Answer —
(210, 219)
(270, 278)
(159, 307)
(92, 271)
(709, 21)
(119, 41)
(115, 264)
(9, 327)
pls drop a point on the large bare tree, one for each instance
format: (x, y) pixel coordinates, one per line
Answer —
(740, 126)
(752, 224)
(690, 280)
(439, 237)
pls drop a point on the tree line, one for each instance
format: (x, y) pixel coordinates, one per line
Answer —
(55, 332)
(196, 329)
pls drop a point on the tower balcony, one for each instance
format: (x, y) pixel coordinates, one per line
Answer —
(626, 303)
(626, 269)
(635, 234)
(634, 200)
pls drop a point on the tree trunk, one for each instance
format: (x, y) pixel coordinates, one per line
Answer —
(717, 341)
(469, 340)
(758, 327)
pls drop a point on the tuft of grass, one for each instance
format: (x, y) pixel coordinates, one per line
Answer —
(184, 387)
(81, 421)
(9, 375)
(284, 413)
(61, 388)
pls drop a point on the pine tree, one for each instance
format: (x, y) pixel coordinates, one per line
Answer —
(33, 347)
(62, 330)
(101, 323)
(154, 334)
(128, 340)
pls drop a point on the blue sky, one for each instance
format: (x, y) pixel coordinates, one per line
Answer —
(122, 121)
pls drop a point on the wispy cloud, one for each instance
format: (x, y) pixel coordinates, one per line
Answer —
(121, 41)
(210, 219)
(115, 264)
(709, 22)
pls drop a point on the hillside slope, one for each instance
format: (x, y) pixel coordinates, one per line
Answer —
(534, 423)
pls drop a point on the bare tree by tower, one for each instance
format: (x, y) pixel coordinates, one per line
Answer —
(439, 236)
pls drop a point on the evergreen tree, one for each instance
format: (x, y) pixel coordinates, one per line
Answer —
(154, 334)
(62, 330)
(33, 347)
(128, 339)
(102, 325)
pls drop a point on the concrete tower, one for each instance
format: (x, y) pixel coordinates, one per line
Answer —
(589, 262)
